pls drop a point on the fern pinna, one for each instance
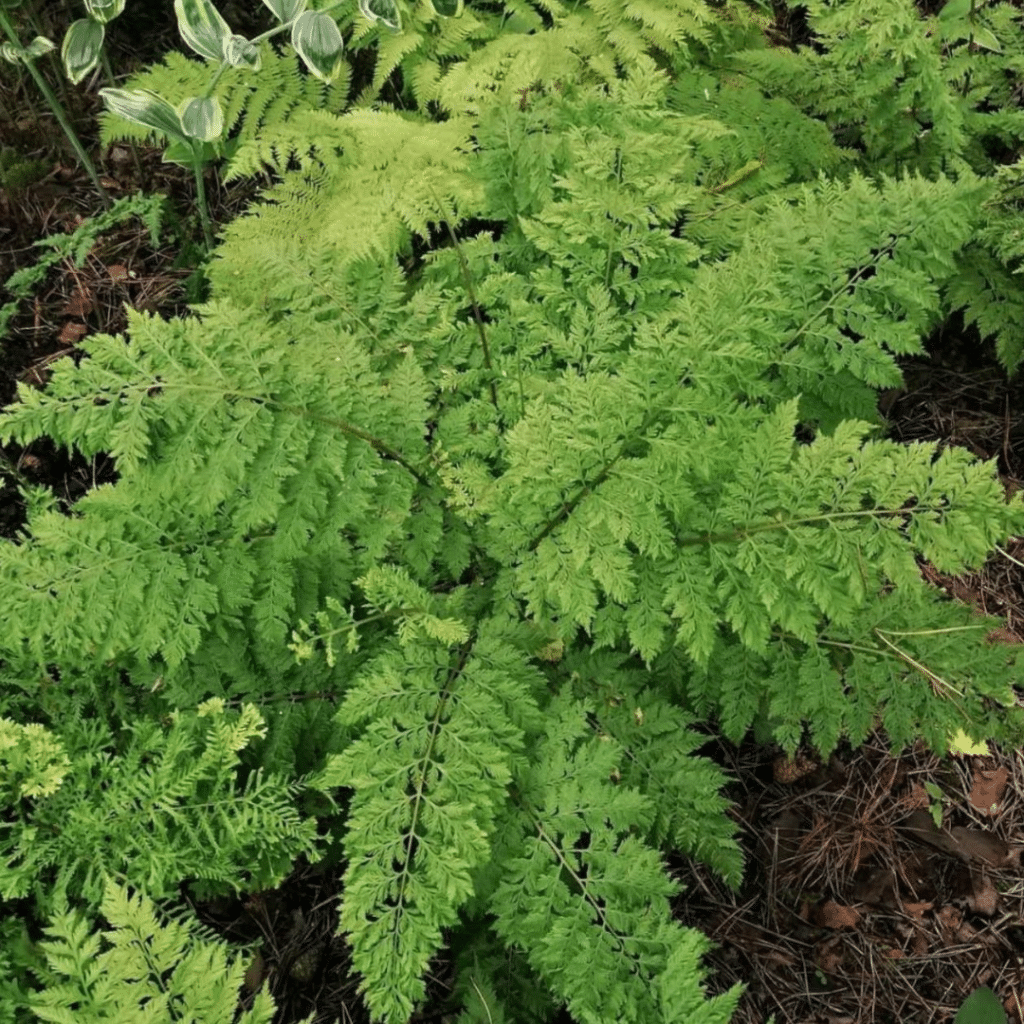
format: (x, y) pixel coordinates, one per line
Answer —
(603, 471)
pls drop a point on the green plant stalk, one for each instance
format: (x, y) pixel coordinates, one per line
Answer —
(204, 213)
(40, 31)
(58, 111)
(109, 72)
(9, 115)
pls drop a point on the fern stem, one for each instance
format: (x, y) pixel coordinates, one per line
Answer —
(600, 915)
(842, 290)
(609, 256)
(477, 316)
(935, 680)
(464, 266)
(346, 428)
(786, 524)
(901, 655)
(420, 783)
(567, 508)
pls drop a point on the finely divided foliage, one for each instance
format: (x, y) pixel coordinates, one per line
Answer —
(581, 481)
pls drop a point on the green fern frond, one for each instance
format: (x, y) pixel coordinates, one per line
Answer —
(259, 107)
(182, 784)
(584, 897)
(429, 782)
(396, 191)
(148, 972)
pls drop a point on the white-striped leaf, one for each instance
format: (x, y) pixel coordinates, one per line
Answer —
(145, 107)
(239, 52)
(80, 52)
(317, 40)
(104, 11)
(382, 10)
(202, 27)
(286, 10)
(38, 47)
(201, 118)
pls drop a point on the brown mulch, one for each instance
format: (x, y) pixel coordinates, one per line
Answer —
(856, 906)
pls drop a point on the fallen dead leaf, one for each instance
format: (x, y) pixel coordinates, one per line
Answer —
(71, 333)
(834, 915)
(988, 789)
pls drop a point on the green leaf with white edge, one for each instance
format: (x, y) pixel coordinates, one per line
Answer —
(39, 46)
(240, 52)
(956, 21)
(955, 10)
(145, 107)
(986, 39)
(981, 1007)
(80, 52)
(11, 53)
(286, 10)
(448, 8)
(317, 40)
(202, 27)
(104, 11)
(382, 10)
(201, 118)
(185, 153)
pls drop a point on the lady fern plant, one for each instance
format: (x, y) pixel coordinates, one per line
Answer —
(924, 94)
(605, 468)
(140, 969)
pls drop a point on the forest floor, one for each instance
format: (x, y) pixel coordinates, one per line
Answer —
(855, 906)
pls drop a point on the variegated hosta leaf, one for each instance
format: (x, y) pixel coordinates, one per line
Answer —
(10, 53)
(286, 10)
(145, 107)
(104, 11)
(202, 27)
(201, 118)
(382, 10)
(240, 52)
(448, 8)
(185, 154)
(80, 52)
(36, 48)
(317, 40)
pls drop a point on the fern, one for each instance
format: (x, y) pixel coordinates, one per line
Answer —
(148, 972)
(425, 805)
(582, 896)
(83, 817)
(912, 95)
(397, 173)
(988, 288)
(259, 108)
(607, 466)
